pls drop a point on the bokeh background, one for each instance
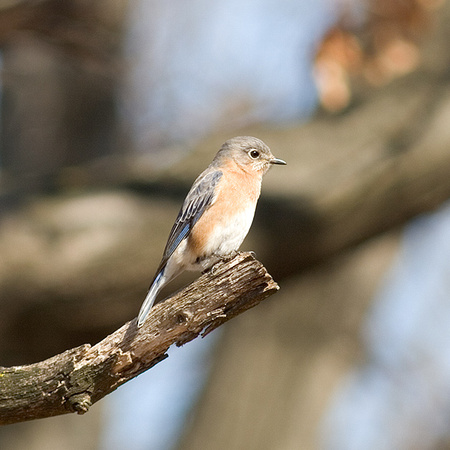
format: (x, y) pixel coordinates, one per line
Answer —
(110, 109)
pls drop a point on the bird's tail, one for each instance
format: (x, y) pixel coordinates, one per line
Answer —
(155, 287)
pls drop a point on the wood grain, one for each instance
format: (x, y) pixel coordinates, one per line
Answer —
(72, 381)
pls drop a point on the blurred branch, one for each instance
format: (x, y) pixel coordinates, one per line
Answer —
(72, 381)
(87, 31)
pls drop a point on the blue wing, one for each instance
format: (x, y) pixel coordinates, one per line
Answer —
(199, 198)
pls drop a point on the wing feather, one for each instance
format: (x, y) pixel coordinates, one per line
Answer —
(200, 197)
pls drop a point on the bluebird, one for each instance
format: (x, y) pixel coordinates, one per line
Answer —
(216, 214)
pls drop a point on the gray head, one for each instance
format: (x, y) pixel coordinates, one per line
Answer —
(249, 153)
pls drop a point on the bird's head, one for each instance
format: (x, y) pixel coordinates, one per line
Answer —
(249, 153)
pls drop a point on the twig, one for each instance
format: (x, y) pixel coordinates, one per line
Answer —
(72, 381)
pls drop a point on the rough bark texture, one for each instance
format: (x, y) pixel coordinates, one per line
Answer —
(74, 265)
(72, 381)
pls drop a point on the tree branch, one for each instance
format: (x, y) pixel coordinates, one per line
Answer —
(72, 381)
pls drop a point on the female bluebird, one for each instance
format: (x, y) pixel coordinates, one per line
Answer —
(216, 214)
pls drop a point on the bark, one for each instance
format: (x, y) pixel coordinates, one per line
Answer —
(72, 381)
(349, 177)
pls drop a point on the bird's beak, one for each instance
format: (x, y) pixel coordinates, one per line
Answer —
(277, 161)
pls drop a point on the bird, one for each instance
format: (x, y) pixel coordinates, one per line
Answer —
(216, 214)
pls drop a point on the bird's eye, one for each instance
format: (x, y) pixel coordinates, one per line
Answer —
(254, 154)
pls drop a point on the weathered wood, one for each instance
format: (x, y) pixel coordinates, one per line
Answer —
(72, 381)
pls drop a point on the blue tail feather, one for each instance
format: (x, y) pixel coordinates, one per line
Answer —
(156, 286)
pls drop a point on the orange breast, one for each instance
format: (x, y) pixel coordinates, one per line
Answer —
(237, 192)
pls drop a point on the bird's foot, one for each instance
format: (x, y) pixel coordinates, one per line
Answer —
(235, 253)
(231, 255)
(221, 258)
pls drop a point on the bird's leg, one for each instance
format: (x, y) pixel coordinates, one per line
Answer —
(234, 253)
(211, 269)
(230, 255)
(222, 258)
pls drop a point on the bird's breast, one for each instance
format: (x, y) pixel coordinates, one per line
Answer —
(224, 225)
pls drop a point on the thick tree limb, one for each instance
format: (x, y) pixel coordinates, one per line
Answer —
(77, 378)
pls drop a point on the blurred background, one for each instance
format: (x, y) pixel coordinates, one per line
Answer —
(110, 109)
